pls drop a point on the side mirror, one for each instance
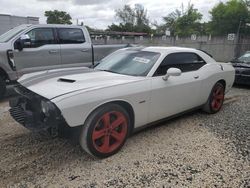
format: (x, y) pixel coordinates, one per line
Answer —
(23, 42)
(172, 72)
(18, 45)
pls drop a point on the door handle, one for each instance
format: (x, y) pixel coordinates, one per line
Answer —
(84, 50)
(196, 77)
(53, 51)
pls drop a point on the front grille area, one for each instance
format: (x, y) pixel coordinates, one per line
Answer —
(242, 71)
(23, 91)
(18, 114)
(26, 110)
(246, 72)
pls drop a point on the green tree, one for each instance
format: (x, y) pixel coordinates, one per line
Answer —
(58, 17)
(131, 20)
(171, 20)
(189, 22)
(183, 23)
(247, 3)
(126, 15)
(141, 19)
(226, 17)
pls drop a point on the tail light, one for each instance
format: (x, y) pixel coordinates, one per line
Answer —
(10, 55)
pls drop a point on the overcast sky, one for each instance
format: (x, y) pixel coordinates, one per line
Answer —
(99, 13)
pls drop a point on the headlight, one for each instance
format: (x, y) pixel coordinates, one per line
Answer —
(10, 55)
(45, 107)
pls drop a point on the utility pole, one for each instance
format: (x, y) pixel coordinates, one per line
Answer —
(237, 47)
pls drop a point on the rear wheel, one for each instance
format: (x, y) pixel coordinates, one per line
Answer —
(216, 99)
(2, 87)
(105, 131)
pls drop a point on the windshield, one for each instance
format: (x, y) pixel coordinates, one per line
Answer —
(129, 62)
(245, 58)
(11, 33)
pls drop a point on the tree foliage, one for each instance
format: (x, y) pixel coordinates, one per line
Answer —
(58, 17)
(126, 15)
(131, 20)
(226, 17)
(183, 23)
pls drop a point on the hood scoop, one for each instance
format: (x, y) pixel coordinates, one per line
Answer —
(66, 80)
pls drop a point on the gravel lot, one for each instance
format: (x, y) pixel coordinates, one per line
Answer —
(195, 150)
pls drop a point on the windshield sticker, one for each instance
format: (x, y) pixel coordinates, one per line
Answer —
(141, 60)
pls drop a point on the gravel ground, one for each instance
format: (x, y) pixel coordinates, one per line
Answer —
(195, 150)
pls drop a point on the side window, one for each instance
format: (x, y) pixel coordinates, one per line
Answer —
(184, 61)
(40, 37)
(70, 36)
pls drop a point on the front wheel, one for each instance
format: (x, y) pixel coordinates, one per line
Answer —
(105, 131)
(216, 99)
(2, 87)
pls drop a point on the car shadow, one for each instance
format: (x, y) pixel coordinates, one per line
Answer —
(166, 122)
(241, 86)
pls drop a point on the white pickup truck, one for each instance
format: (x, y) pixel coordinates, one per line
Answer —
(31, 48)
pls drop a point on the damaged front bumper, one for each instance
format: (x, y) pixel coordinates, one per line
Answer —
(242, 79)
(242, 75)
(35, 112)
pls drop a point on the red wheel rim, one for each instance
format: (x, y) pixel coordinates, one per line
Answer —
(110, 132)
(217, 98)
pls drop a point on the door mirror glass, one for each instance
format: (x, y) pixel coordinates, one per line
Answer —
(172, 72)
(18, 45)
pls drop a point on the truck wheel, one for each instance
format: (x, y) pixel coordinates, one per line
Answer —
(105, 131)
(215, 100)
(2, 88)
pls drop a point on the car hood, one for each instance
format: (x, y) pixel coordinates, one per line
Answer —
(241, 65)
(4, 46)
(54, 83)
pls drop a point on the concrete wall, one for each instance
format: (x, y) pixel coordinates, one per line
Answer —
(7, 22)
(220, 48)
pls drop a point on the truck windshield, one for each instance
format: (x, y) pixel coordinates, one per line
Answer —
(11, 33)
(129, 62)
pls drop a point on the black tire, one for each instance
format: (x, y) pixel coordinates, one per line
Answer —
(210, 106)
(2, 88)
(115, 116)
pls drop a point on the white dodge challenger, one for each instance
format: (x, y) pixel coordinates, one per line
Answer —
(127, 90)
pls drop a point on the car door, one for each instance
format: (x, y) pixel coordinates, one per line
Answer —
(178, 93)
(75, 51)
(42, 53)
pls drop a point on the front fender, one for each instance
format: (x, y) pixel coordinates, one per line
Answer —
(77, 106)
(77, 115)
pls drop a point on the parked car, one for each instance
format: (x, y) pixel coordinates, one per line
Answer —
(242, 67)
(128, 89)
(31, 48)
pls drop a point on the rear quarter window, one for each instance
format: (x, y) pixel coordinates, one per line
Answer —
(71, 36)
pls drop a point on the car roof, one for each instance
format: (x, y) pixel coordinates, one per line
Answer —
(168, 49)
(54, 25)
(161, 49)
